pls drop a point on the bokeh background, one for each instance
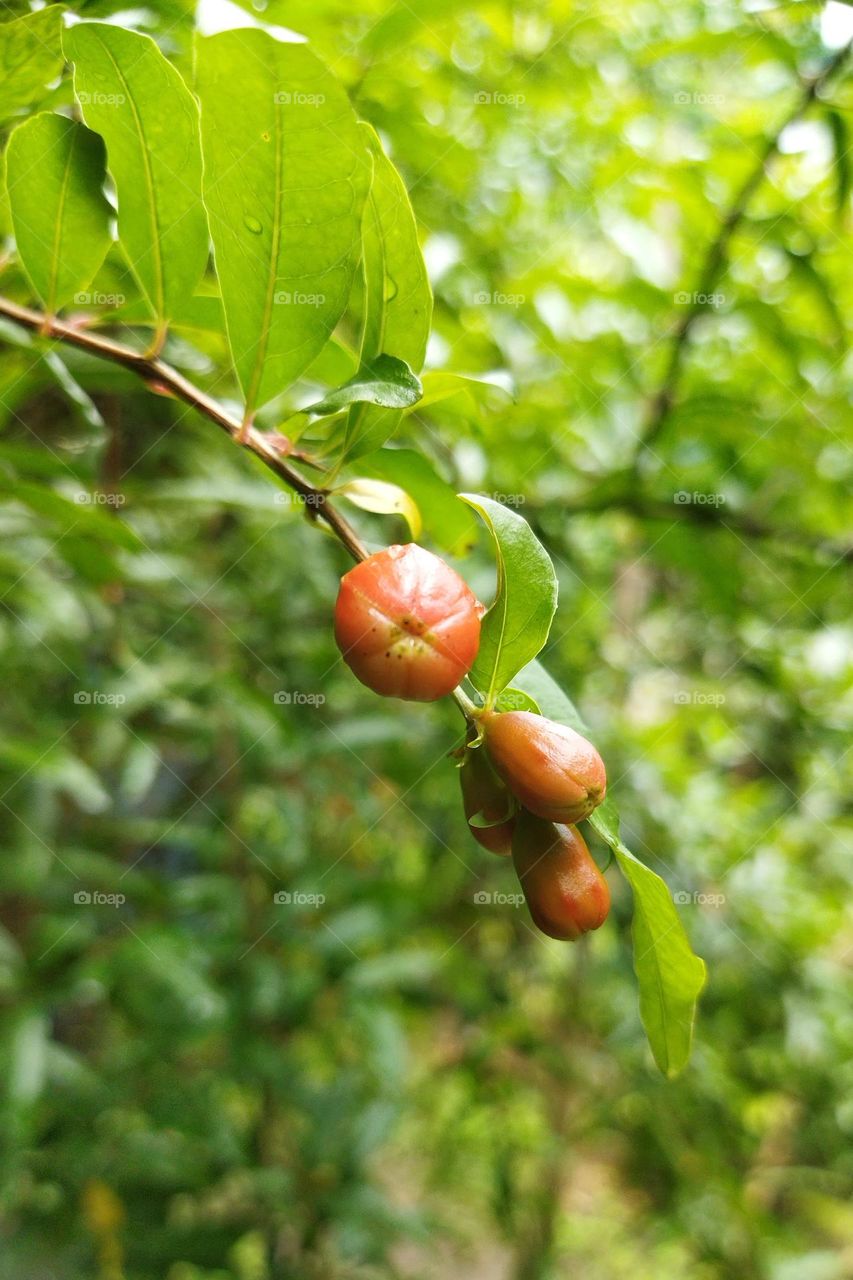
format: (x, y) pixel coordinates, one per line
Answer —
(385, 1075)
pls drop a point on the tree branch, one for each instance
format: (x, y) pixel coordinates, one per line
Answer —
(661, 403)
(712, 517)
(160, 375)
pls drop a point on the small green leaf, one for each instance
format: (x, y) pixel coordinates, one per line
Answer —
(139, 104)
(513, 699)
(55, 174)
(384, 381)
(517, 624)
(30, 57)
(383, 499)
(285, 179)
(670, 976)
(447, 520)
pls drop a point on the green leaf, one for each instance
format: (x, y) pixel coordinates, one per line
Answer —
(139, 104)
(440, 386)
(55, 173)
(670, 976)
(397, 306)
(384, 381)
(553, 701)
(30, 57)
(447, 520)
(398, 298)
(286, 175)
(516, 626)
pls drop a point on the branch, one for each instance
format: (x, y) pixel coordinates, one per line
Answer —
(663, 400)
(712, 517)
(160, 375)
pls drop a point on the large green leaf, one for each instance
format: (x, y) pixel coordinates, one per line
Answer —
(517, 624)
(669, 975)
(55, 171)
(286, 174)
(136, 100)
(30, 57)
(397, 299)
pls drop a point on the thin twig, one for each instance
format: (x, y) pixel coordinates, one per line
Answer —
(662, 401)
(161, 376)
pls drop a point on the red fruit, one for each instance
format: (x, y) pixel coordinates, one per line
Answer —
(552, 770)
(565, 892)
(407, 625)
(485, 795)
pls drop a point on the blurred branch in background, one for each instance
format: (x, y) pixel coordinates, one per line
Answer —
(714, 264)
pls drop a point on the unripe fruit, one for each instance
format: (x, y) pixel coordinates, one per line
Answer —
(565, 892)
(485, 795)
(552, 770)
(407, 625)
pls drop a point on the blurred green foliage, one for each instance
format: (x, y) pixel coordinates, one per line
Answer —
(383, 1076)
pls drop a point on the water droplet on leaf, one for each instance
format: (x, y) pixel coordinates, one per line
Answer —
(252, 224)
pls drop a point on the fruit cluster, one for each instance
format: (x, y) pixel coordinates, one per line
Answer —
(409, 627)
